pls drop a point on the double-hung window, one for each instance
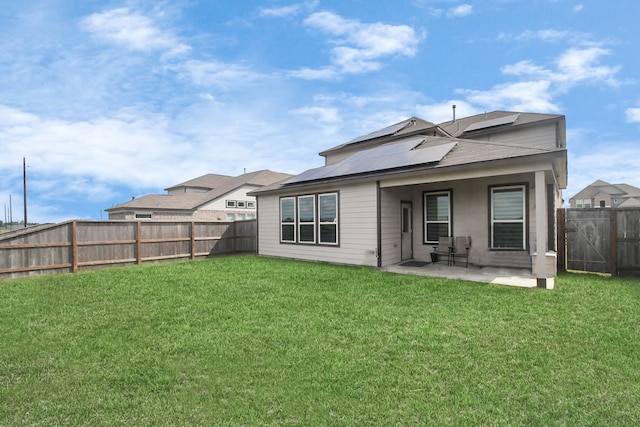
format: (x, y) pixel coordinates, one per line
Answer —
(437, 216)
(288, 219)
(310, 219)
(328, 218)
(508, 217)
(307, 219)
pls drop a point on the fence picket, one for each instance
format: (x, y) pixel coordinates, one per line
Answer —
(72, 245)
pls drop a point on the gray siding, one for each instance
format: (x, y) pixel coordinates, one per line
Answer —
(538, 137)
(357, 223)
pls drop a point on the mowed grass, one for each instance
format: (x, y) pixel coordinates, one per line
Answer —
(254, 341)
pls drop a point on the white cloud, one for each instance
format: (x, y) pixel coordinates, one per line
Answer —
(578, 8)
(460, 10)
(321, 114)
(133, 30)
(285, 11)
(540, 84)
(547, 35)
(532, 96)
(576, 65)
(324, 73)
(526, 68)
(215, 74)
(359, 47)
(633, 114)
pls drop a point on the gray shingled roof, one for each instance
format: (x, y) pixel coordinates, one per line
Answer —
(488, 121)
(208, 181)
(192, 200)
(465, 152)
(411, 125)
(600, 186)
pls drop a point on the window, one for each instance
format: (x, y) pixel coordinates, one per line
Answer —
(437, 216)
(241, 204)
(508, 217)
(309, 219)
(583, 203)
(143, 216)
(231, 217)
(328, 218)
(288, 219)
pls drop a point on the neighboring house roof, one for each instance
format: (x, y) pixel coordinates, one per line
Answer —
(207, 182)
(632, 202)
(619, 191)
(191, 200)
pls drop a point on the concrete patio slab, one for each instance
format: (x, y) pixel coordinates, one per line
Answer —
(502, 276)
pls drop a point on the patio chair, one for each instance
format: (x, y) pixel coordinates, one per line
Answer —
(444, 249)
(461, 249)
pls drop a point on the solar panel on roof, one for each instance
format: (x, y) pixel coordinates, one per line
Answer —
(409, 152)
(389, 130)
(505, 120)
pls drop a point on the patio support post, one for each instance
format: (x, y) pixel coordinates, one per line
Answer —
(540, 267)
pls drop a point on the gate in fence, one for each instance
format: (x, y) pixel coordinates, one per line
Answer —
(601, 240)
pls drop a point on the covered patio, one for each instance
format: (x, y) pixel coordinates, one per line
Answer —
(497, 275)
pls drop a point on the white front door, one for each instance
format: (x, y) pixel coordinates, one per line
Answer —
(406, 246)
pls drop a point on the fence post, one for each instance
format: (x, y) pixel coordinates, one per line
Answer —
(234, 235)
(139, 242)
(74, 246)
(562, 240)
(613, 232)
(193, 240)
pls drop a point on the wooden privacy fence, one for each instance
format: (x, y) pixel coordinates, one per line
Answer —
(73, 245)
(602, 240)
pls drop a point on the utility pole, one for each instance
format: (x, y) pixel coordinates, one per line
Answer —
(24, 182)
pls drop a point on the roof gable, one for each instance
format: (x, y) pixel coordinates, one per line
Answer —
(410, 126)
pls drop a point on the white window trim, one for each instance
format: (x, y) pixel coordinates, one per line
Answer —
(313, 223)
(448, 222)
(231, 203)
(522, 221)
(282, 223)
(334, 222)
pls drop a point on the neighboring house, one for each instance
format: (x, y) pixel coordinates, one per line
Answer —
(388, 196)
(601, 194)
(207, 198)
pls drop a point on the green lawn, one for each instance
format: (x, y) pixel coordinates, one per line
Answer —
(253, 341)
